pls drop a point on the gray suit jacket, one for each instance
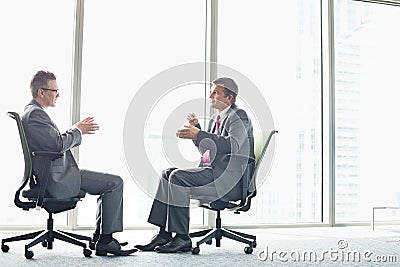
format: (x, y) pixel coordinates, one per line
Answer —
(43, 135)
(230, 150)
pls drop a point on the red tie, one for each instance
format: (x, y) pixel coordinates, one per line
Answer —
(217, 123)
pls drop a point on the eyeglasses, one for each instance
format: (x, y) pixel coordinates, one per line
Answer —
(53, 90)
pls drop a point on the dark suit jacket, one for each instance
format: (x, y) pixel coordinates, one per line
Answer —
(43, 135)
(230, 150)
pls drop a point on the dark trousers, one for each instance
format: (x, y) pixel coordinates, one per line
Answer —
(171, 204)
(110, 201)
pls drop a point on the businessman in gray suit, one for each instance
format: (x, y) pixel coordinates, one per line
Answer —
(66, 179)
(225, 147)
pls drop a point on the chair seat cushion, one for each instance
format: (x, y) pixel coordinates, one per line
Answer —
(208, 199)
(51, 204)
(33, 193)
(221, 205)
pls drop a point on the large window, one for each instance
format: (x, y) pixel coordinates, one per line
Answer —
(366, 106)
(35, 35)
(126, 43)
(276, 44)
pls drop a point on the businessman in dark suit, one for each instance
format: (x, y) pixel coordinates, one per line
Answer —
(225, 147)
(66, 179)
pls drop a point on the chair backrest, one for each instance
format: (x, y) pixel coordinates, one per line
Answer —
(248, 181)
(28, 172)
(260, 153)
(260, 150)
(37, 193)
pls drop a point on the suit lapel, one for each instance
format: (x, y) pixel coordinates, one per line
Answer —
(211, 125)
(222, 127)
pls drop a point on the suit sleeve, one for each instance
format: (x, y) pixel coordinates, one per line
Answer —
(195, 141)
(46, 135)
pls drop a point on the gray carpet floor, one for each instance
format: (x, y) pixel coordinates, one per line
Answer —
(311, 246)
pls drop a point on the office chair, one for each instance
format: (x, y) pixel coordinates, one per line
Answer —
(39, 198)
(249, 191)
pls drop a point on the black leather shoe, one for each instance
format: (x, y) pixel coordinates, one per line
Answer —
(177, 244)
(156, 241)
(96, 238)
(114, 247)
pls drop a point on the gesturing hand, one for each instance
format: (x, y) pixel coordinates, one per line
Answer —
(192, 119)
(87, 125)
(188, 132)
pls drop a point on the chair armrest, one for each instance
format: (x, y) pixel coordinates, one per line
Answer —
(48, 154)
(47, 157)
(250, 159)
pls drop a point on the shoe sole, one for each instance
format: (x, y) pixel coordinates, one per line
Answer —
(180, 250)
(146, 248)
(119, 253)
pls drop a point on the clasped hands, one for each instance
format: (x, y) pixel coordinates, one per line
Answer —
(189, 131)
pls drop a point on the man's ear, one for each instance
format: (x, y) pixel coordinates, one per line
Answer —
(230, 97)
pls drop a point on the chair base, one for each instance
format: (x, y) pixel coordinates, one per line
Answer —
(47, 239)
(218, 232)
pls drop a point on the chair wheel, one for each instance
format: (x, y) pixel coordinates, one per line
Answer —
(92, 245)
(5, 248)
(209, 242)
(44, 244)
(253, 244)
(28, 254)
(87, 252)
(196, 250)
(248, 250)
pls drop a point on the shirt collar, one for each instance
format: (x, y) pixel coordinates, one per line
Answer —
(224, 113)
